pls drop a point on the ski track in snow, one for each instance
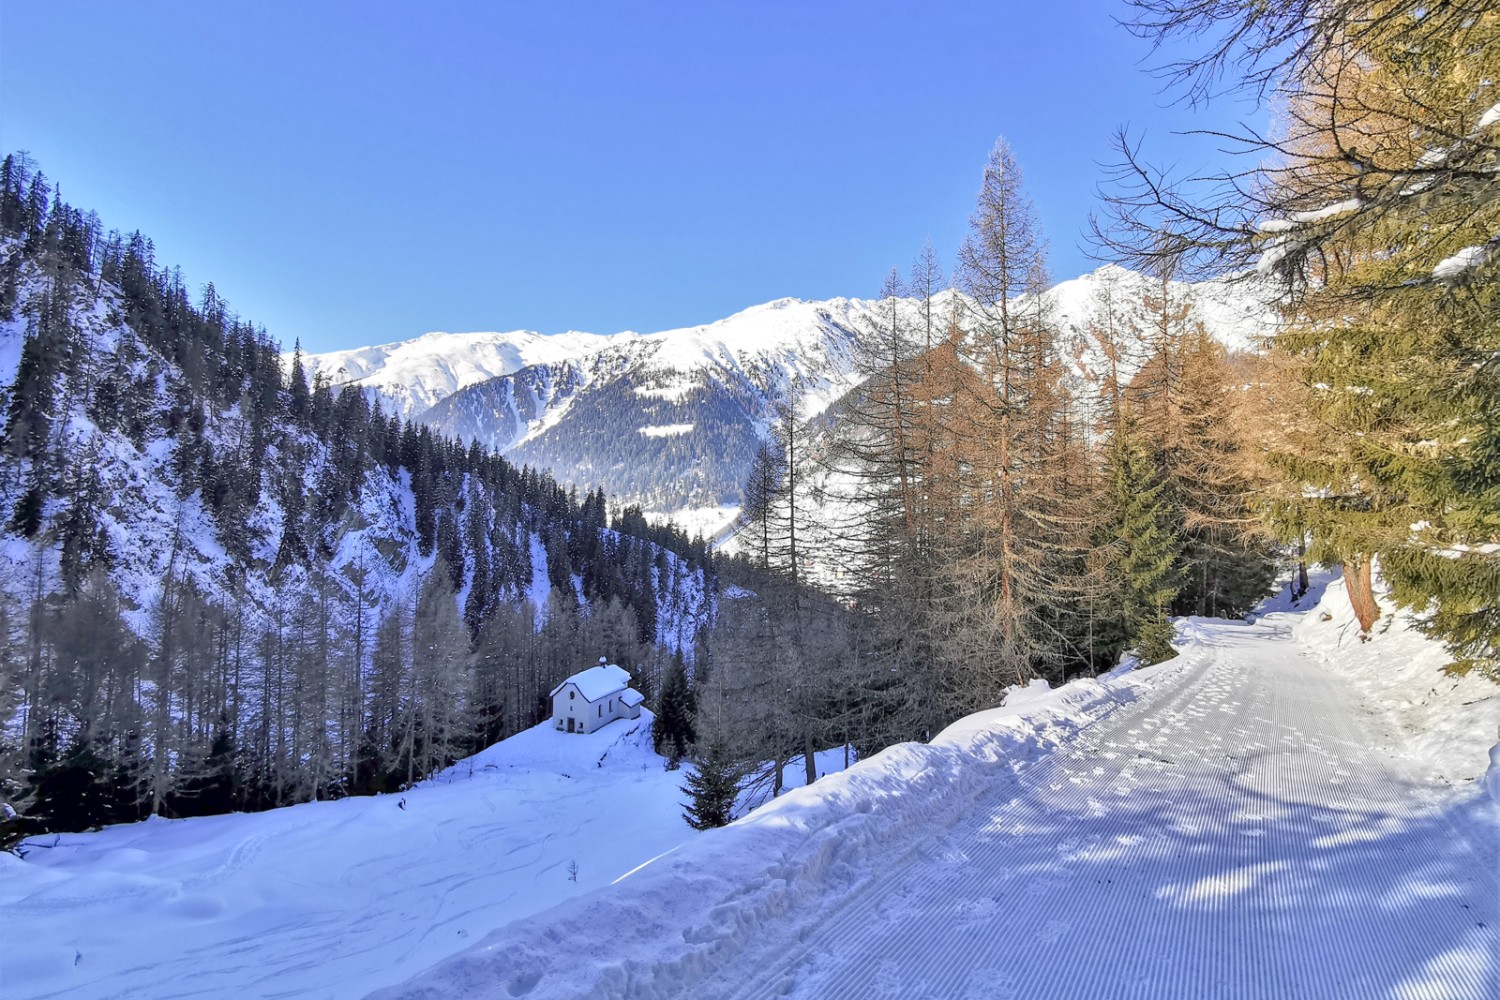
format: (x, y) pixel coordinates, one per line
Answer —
(329, 900)
(1232, 834)
(1230, 824)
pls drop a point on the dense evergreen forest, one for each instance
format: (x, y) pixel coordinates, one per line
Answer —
(230, 588)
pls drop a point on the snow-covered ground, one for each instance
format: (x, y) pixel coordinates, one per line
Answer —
(333, 899)
(1281, 811)
(1242, 821)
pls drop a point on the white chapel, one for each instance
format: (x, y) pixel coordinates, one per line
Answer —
(594, 698)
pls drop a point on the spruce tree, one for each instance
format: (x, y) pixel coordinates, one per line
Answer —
(1140, 537)
(712, 785)
(673, 733)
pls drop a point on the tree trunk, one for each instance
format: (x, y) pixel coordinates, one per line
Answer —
(1300, 585)
(809, 755)
(1361, 593)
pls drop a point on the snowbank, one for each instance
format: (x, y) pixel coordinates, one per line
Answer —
(333, 899)
(811, 845)
(1444, 725)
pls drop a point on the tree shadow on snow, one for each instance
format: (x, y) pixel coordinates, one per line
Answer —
(1223, 890)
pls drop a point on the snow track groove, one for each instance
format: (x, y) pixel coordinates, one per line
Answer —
(1222, 826)
(1230, 834)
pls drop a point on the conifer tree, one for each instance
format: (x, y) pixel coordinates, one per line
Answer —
(1008, 573)
(1381, 216)
(1143, 546)
(673, 732)
(1396, 336)
(712, 785)
(440, 650)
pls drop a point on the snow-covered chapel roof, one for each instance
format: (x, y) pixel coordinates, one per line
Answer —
(597, 682)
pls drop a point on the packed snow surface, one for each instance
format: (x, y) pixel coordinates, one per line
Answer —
(1234, 823)
(333, 899)
(1282, 811)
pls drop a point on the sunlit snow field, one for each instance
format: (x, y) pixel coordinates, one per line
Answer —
(333, 899)
(337, 899)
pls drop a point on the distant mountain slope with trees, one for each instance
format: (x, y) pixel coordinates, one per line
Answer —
(229, 586)
(672, 420)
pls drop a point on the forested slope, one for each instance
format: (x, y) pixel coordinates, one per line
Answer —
(227, 586)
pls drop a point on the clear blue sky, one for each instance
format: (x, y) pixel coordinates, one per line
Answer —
(354, 173)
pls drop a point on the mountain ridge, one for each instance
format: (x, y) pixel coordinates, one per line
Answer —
(589, 408)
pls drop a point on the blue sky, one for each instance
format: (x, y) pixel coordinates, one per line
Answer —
(354, 173)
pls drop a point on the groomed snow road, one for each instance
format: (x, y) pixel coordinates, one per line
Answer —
(1231, 833)
(1235, 823)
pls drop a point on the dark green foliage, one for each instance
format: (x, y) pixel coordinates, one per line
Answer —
(1140, 537)
(1223, 575)
(26, 516)
(213, 786)
(1153, 640)
(673, 732)
(73, 793)
(712, 784)
(1463, 602)
(28, 422)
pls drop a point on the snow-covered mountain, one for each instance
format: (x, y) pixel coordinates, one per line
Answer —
(410, 376)
(1238, 311)
(670, 420)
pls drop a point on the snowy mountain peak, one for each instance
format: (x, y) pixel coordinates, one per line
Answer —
(410, 376)
(589, 407)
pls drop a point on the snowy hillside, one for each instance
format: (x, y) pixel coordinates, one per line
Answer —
(670, 420)
(237, 590)
(1240, 821)
(155, 524)
(336, 898)
(333, 899)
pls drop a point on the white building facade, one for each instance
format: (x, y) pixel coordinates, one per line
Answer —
(593, 698)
